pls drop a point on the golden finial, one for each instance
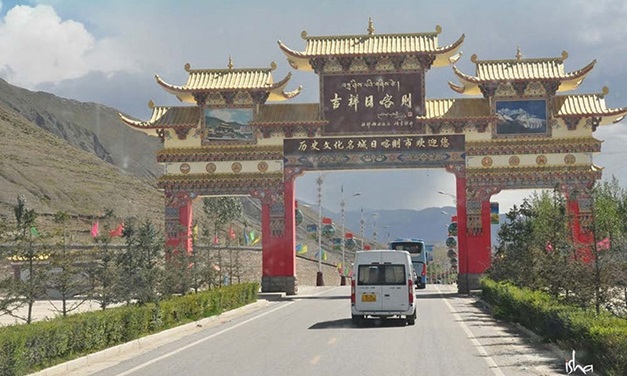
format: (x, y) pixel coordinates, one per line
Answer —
(473, 58)
(370, 26)
(518, 53)
(230, 65)
(438, 29)
(151, 104)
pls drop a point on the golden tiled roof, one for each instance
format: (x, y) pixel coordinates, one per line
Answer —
(588, 105)
(462, 108)
(519, 69)
(221, 80)
(165, 117)
(372, 44)
(288, 113)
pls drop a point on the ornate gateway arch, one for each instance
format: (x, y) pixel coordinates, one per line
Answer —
(517, 131)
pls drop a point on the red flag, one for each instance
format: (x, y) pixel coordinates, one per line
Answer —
(231, 233)
(216, 240)
(118, 230)
(94, 230)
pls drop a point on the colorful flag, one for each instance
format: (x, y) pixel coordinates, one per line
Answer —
(231, 233)
(256, 240)
(324, 255)
(33, 231)
(95, 230)
(216, 240)
(301, 249)
(195, 232)
(246, 238)
(118, 230)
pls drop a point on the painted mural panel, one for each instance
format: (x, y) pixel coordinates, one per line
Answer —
(521, 117)
(372, 103)
(229, 124)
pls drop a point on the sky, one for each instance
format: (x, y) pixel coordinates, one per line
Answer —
(109, 52)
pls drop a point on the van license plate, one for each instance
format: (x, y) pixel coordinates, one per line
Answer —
(368, 298)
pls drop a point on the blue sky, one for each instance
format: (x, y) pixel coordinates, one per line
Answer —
(109, 51)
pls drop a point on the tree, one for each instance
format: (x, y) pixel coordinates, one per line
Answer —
(31, 284)
(102, 270)
(140, 263)
(65, 276)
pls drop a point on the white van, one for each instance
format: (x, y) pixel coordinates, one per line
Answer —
(383, 286)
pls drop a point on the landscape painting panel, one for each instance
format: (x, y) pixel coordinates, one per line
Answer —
(521, 117)
(229, 124)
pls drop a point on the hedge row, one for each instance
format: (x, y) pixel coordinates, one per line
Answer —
(598, 340)
(28, 348)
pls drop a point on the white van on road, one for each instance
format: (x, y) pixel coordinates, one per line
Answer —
(383, 286)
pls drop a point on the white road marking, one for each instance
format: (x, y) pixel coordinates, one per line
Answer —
(155, 360)
(491, 363)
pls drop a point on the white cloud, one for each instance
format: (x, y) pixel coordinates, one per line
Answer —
(38, 46)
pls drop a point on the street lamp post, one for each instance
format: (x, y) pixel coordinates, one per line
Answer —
(319, 275)
(342, 204)
(361, 227)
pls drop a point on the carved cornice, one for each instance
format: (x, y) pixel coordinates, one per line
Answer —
(532, 177)
(221, 184)
(224, 153)
(541, 146)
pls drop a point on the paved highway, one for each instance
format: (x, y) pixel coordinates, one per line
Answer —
(312, 334)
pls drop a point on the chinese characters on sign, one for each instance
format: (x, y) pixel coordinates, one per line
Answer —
(372, 103)
(363, 144)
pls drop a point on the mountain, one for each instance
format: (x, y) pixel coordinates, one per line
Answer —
(54, 176)
(89, 126)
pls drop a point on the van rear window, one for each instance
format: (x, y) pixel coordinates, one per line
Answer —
(386, 274)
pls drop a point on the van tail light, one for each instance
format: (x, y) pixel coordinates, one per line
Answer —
(352, 291)
(424, 270)
(410, 285)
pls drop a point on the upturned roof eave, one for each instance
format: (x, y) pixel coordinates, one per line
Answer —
(139, 125)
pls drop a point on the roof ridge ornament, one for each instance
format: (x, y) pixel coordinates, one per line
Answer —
(151, 104)
(564, 55)
(303, 34)
(230, 64)
(438, 29)
(518, 53)
(187, 67)
(272, 66)
(370, 26)
(605, 91)
(473, 58)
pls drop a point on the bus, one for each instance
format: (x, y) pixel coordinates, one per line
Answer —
(418, 252)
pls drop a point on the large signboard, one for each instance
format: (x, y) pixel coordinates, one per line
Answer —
(521, 117)
(229, 124)
(372, 103)
(355, 153)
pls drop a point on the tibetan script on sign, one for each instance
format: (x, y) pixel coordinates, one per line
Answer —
(372, 103)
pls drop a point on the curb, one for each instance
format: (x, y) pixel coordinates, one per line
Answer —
(148, 342)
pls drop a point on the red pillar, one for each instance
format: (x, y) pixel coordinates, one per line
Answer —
(462, 242)
(474, 247)
(480, 244)
(178, 221)
(278, 242)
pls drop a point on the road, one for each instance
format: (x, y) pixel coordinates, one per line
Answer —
(312, 334)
